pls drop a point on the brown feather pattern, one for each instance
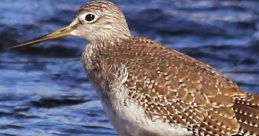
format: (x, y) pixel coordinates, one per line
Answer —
(180, 90)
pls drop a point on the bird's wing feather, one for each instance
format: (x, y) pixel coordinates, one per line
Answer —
(176, 88)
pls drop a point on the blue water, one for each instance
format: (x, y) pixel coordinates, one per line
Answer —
(44, 91)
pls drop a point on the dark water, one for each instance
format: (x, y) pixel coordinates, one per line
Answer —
(44, 91)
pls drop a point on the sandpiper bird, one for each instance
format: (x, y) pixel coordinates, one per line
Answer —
(148, 89)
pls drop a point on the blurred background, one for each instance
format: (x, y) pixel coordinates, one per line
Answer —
(44, 90)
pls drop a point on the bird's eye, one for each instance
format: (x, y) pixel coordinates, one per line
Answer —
(90, 17)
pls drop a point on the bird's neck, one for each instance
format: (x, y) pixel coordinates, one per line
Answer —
(112, 40)
(93, 50)
(110, 35)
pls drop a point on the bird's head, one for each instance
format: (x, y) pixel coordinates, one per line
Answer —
(97, 21)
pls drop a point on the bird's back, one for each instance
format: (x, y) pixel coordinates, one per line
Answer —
(177, 89)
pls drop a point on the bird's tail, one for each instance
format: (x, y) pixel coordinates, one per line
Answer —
(247, 113)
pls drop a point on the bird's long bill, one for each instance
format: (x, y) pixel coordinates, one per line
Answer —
(55, 35)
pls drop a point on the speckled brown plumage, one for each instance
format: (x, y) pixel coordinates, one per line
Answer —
(179, 89)
(148, 89)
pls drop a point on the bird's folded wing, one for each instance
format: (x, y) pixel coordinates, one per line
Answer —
(178, 89)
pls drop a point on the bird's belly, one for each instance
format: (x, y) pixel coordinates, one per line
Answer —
(129, 119)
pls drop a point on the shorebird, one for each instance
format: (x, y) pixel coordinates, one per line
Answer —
(148, 89)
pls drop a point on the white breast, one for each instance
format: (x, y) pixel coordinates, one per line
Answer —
(129, 119)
